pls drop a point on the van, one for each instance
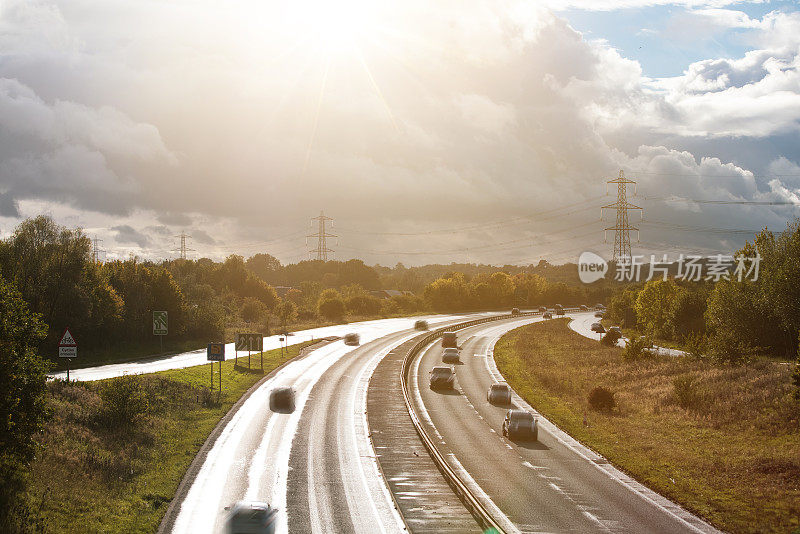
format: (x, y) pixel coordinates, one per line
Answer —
(449, 340)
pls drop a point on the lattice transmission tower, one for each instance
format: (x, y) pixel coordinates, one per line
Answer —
(622, 229)
(183, 249)
(322, 236)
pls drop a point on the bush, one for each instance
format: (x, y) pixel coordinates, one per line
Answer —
(331, 305)
(124, 400)
(602, 399)
(727, 348)
(637, 348)
(610, 338)
(695, 345)
(686, 392)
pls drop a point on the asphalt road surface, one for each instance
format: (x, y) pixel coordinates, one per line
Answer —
(550, 485)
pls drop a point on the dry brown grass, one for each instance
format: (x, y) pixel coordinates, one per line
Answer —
(729, 450)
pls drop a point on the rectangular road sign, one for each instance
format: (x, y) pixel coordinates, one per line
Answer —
(160, 323)
(216, 352)
(68, 352)
(249, 342)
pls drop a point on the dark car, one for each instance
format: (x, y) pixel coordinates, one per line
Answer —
(421, 325)
(251, 518)
(499, 394)
(547, 315)
(352, 339)
(616, 329)
(520, 424)
(450, 355)
(281, 400)
(515, 311)
(597, 327)
(449, 340)
(600, 314)
(442, 377)
(559, 309)
(542, 309)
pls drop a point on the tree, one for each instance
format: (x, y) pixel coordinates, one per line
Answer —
(686, 315)
(330, 305)
(652, 305)
(22, 402)
(286, 312)
(252, 310)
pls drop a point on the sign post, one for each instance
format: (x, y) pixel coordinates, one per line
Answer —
(215, 352)
(160, 326)
(250, 342)
(67, 348)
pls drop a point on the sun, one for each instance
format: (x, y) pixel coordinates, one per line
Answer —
(334, 27)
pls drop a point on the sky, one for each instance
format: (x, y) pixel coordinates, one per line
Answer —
(454, 131)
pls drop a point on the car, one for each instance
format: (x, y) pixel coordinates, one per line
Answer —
(597, 327)
(421, 325)
(600, 307)
(450, 355)
(584, 307)
(251, 518)
(449, 340)
(542, 309)
(515, 311)
(352, 339)
(520, 424)
(600, 314)
(559, 309)
(499, 394)
(547, 315)
(616, 329)
(443, 377)
(281, 400)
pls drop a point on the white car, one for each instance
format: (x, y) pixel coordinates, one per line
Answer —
(451, 355)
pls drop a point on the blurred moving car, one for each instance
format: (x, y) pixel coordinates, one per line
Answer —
(597, 327)
(449, 339)
(559, 309)
(281, 400)
(499, 394)
(542, 309)
(251, 518)
(616, 329)
(443, 377)
(520, 424)
(600, 314)
(515, 311)
(352, 339)
(547, 315)
(451, 355)
(600, 307)
(584, 307)
(421, 325)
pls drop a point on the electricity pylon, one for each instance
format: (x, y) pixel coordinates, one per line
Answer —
(183, 250)
(622, 230)
(322, 237)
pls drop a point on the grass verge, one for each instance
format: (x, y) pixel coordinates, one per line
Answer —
(720, 440)
(96, 473)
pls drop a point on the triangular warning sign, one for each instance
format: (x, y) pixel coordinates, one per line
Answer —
(66, 339)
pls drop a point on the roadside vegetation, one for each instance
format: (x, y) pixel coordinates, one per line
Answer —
(113, 452)
(721, 439)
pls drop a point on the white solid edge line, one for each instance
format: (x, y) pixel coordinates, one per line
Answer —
(667, 506)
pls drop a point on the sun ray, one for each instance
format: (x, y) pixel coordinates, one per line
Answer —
(377, 89)
(316, 114)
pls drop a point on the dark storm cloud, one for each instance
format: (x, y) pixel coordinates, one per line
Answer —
(125, 234)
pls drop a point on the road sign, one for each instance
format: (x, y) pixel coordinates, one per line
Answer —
(216, 352)
(67, 352)
(248, 342)
(160, 323)
(67, 340)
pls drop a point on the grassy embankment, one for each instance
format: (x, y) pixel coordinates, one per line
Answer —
(93, 475)
(721, 440)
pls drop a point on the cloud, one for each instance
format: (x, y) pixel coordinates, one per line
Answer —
(126, 234)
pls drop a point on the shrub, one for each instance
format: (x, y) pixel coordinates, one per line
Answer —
(727, 348)
(685, 391)
(124, 400)
(695, 345)
(610, 338)
(602, 399)
(330, 305)
(637, 348)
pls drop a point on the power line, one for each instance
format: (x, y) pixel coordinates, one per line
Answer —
(725, 202)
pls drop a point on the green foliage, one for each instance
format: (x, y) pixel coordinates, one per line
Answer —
(602, 399)
(22, 405)
(637, 348)
(686, 391)
(610, 338)
(653, 303)
(330, 305)
(622, 307)
(286, 312)
(124, 400)
(252, 310)
(686, 315)
(696, 345)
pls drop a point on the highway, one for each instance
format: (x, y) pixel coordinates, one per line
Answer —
(316, 465)
(198, 357)
(553, 485)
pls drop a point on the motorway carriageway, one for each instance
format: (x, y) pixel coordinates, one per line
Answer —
(551, 485)
(198, 357)
(316, 465)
